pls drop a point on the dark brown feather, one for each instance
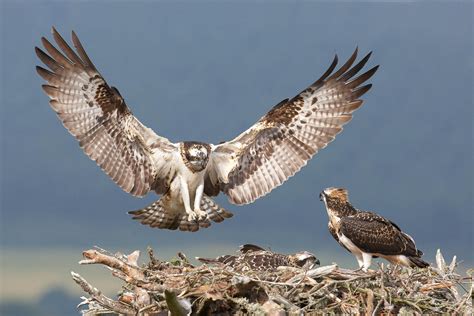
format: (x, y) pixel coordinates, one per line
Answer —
(346, 65)
(374, 234)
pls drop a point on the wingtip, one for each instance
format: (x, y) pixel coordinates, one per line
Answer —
(38, 51)
(366, 57)
(354, 54)
(45, 41)
(374, 69)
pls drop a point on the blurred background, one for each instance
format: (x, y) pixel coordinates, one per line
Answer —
(206, 71)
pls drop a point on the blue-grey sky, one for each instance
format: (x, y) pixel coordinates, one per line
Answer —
(207, 71)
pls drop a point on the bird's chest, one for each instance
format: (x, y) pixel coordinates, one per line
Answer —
(191, 179)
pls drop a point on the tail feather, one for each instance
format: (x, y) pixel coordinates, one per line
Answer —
(207, 260)
(214, 211)
(157, 215)
(190, 226)
(225, 259)
(418, 262)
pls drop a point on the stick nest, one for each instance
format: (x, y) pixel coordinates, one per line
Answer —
(180, 288)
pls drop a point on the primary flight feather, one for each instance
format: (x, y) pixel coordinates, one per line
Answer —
(189, 173)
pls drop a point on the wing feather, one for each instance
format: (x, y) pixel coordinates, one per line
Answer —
(375, 234)
(132, 155)
(291, 133)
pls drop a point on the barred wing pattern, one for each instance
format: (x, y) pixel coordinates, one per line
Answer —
(374, 234)
(131, 154)
(282, 141)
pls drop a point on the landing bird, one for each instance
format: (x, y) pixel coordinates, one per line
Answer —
(368, 235)
(256, 258)
(187, 174)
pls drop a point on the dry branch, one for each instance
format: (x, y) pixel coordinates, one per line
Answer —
(180, 288)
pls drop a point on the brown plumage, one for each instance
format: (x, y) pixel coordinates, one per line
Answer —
(283, 140)
(366, 234)
(253, 257)
(188, 173)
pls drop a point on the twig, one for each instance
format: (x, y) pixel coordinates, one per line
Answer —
(103, 300)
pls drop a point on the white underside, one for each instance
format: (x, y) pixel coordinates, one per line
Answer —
(186, 191)
(365, 258)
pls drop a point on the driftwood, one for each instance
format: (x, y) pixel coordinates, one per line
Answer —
(179, 288)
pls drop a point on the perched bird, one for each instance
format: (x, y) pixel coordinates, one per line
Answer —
(256, 258)
(368, 235)
(187, 174)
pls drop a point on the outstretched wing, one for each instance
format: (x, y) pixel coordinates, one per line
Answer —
(282, 141)
(135, 157)
(375, 234)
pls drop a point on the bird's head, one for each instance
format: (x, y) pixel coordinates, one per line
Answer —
(195, 155)
(337, 202)
(334, 194)
(304, 259)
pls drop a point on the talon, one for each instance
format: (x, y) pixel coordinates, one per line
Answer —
(201, 215)
(192, 217)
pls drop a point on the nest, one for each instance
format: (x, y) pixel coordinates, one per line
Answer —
(180, 288)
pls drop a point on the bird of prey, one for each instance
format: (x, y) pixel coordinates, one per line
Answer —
(368, 235)
(256, 258)
(188, 173)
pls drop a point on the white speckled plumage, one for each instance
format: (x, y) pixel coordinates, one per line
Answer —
(188, 173)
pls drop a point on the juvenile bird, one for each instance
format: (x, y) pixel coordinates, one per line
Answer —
(253, 257)
(368, 235)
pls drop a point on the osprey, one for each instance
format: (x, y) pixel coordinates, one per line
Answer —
(187, 174)
(259, 259)
(368, 235)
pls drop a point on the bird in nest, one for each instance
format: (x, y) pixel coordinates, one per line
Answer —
(256, 258)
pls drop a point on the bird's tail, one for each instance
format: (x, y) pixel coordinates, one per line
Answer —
(207, 260)
(222, 259)
(418, 262)
(213, 210)
(160, 216)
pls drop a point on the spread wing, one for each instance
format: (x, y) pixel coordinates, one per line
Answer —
(135, 157)
(282, 141)
(375, 234)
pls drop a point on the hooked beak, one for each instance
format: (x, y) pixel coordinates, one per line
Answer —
(321, 196)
